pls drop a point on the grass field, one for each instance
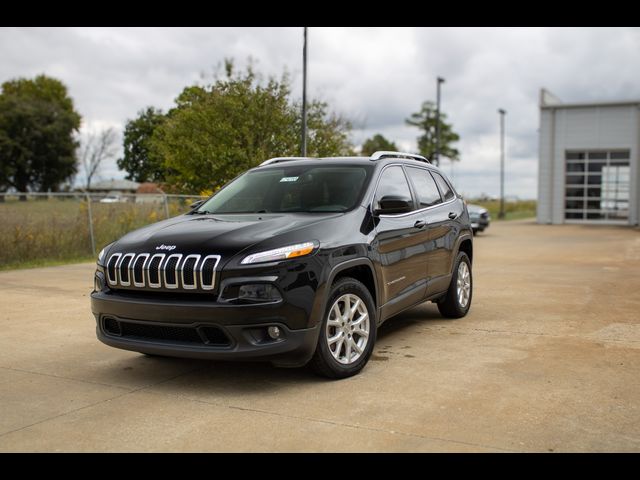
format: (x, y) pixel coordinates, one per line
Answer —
(513, 210)
(54, 231)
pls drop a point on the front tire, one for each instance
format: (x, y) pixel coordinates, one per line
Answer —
(457, 301)
(348, 331)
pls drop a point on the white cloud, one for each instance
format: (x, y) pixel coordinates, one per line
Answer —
(377, 76)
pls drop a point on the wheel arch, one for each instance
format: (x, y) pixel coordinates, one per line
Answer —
(464, 243)
(359, 268)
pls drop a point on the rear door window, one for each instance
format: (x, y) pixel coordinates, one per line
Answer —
(425, 186)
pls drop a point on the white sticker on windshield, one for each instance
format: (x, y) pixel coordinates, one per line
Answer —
(288, 179)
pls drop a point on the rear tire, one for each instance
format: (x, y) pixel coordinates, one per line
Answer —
(457, 301)
(346, 339)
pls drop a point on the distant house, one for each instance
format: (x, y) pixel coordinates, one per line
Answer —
(121, 186)
(149, 193)
(112, 191)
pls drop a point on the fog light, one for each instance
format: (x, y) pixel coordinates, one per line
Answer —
(274, 332)
(259, 292)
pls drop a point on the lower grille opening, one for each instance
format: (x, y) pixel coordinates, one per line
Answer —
(112, 326)
(209, 335)
(154, 332)
(214, 336)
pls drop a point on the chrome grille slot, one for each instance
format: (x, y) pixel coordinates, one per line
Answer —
(138, 269)
(208, 271)
(171, 270)
(188, 272)
(112, 275)
(123, 269)
(162, 271)
(154, 270)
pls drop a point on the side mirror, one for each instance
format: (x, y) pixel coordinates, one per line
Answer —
(391, 204)
(195, 205)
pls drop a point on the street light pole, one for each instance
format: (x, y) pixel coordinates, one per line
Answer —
(304, 95)
(502, 113)
(436, 157)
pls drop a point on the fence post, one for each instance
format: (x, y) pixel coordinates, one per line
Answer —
(166, 205)
(93, 240)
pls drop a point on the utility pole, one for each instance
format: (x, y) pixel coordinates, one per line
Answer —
(437, 154)
(304, 95)
(502, 113)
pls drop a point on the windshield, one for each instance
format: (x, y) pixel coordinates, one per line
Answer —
(306, 188)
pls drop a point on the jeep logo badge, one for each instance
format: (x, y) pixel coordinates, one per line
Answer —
(166, 247)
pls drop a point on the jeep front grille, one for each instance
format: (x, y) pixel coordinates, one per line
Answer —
(162, 271)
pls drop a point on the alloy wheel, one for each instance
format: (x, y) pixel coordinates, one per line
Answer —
(348, 328)
(463, 286)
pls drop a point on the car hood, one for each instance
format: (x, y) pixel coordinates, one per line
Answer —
(225, 235)
(477, 209)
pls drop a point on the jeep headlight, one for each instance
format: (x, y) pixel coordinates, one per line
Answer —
(102, 252)
(282, 253)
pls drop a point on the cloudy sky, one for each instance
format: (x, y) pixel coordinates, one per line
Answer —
(375, 76)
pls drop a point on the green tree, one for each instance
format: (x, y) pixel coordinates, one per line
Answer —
(38, 127)
(139, 160)
(425, 120)
(216, 132)
(328, 132)
(377, 143)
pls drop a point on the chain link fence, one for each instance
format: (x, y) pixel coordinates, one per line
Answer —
(36, 228)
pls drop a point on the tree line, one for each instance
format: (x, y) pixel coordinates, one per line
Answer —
(211, 134)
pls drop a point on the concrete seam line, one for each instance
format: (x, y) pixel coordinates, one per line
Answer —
(330, 422)
(64, 378)
(538, 334)
(92, 404)
(63, 414)
(373, 429)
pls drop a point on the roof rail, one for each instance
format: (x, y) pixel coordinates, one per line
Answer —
(284, 159)
(412, 156)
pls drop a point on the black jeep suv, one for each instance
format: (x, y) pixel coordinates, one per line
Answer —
(296, 261)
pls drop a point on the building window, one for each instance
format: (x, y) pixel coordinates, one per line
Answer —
(597, 185)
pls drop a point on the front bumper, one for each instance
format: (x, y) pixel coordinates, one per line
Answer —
(479, 223)
(243, 326)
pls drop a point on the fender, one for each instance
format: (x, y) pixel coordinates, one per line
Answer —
(323, 293)
(461, 238)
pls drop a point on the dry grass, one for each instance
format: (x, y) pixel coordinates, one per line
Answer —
(54, 231)
(513, 210)
(50, 231)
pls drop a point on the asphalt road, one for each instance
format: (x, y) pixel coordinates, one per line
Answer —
(547, 360)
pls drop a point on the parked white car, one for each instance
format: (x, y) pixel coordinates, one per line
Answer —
(479, 216)
(113, 197)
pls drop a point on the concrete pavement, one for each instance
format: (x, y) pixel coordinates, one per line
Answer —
(547, 360)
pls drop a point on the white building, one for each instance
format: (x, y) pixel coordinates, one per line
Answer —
(588, 170)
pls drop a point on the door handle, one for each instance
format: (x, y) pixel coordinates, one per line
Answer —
(452, 215)
(420, 224)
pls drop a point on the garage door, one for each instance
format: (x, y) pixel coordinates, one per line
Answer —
(597, 186)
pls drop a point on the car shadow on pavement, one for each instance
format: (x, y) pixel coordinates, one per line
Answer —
(213, 377)
(423, 314)
(231, 376)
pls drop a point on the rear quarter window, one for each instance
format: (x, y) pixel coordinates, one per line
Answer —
(446, 190)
